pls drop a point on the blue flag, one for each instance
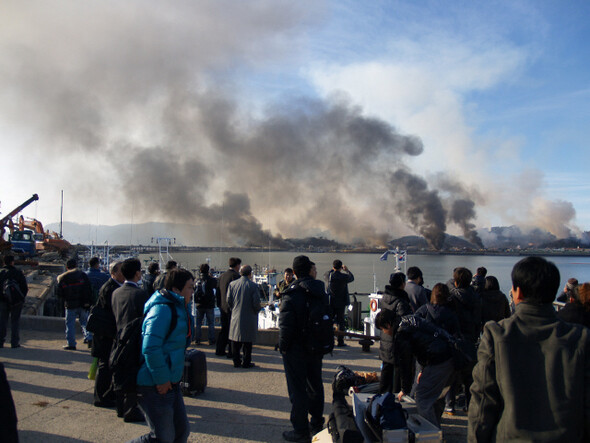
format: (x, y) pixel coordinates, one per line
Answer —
(384, 256)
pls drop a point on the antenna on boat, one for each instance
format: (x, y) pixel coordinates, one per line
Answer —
(61, 215)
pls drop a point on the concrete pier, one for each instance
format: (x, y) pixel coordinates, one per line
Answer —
(54, 398)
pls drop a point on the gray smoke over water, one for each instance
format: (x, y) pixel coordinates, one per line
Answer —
(149, 119)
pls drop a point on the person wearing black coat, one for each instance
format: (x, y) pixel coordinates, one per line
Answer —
(205, 289)
(104, 395)
(303, 370)
(224, 311)
(494, 304)
(396, 300)
(467, 305)
(337, 280)
(14, 311)
(577, 310)
(435, 376)
(128, 302)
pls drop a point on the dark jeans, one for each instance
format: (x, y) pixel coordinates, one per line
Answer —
(236, 347)
(430, 390)
(103, 388)
(209, 314)
(14, 312)
(164, 414)
(340, 322)
(306, 389)
(126, 403)
(223, 337)
(386, 380)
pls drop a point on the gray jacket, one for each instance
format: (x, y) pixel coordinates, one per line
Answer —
(243, 299)
(418, 295)
(532, 379)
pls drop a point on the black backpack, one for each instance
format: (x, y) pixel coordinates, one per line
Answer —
(200, 292)
(11, 292)
(319, 325)
(126, 358)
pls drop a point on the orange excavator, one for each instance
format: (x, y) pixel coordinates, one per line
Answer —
(44, 240)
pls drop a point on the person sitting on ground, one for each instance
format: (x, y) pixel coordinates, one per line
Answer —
(571, 284)
(494, 304)
(396, 300)
(577, 309)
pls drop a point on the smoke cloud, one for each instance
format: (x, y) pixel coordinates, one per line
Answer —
(143, 108)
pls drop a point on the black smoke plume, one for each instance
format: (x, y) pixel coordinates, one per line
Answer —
(420, 206)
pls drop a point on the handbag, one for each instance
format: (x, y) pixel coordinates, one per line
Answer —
(101, 322)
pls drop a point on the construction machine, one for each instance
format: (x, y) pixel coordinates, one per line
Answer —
(6, 222)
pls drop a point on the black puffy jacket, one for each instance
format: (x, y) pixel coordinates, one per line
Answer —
(292, 312)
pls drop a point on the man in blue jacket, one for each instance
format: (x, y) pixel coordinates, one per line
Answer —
(158, 379)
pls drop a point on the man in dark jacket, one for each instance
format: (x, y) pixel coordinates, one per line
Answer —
(532, 378)
(204, 295)
(9, 272)
(224, 311)
(160, 280)
(149, 279)
(577, 308)
(104, 395)
(303, 370)
(337, 280)
(73, 287)
(467, 305)
(418, 294)
(396, 300)
(128, 302)
(96, 276)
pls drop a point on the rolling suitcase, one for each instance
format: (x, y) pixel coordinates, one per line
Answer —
(194, 376)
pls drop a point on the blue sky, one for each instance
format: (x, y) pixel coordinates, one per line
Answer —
(498, 92)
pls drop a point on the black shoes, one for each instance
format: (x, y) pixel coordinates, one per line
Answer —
(69, 348)
(16, 346)
(296, 437)
(316, 428)
(135, 416)
(248, 366)
(105, 404)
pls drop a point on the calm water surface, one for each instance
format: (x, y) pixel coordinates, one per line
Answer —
(367, 268)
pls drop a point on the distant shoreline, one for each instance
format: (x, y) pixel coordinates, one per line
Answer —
(505, 253)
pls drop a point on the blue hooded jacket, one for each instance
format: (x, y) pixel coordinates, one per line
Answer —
(164, 358)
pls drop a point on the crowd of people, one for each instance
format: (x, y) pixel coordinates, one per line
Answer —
(530, 380)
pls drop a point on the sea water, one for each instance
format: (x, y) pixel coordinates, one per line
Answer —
(369, 272)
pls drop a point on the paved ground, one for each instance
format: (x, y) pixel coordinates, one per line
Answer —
(54, 398)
